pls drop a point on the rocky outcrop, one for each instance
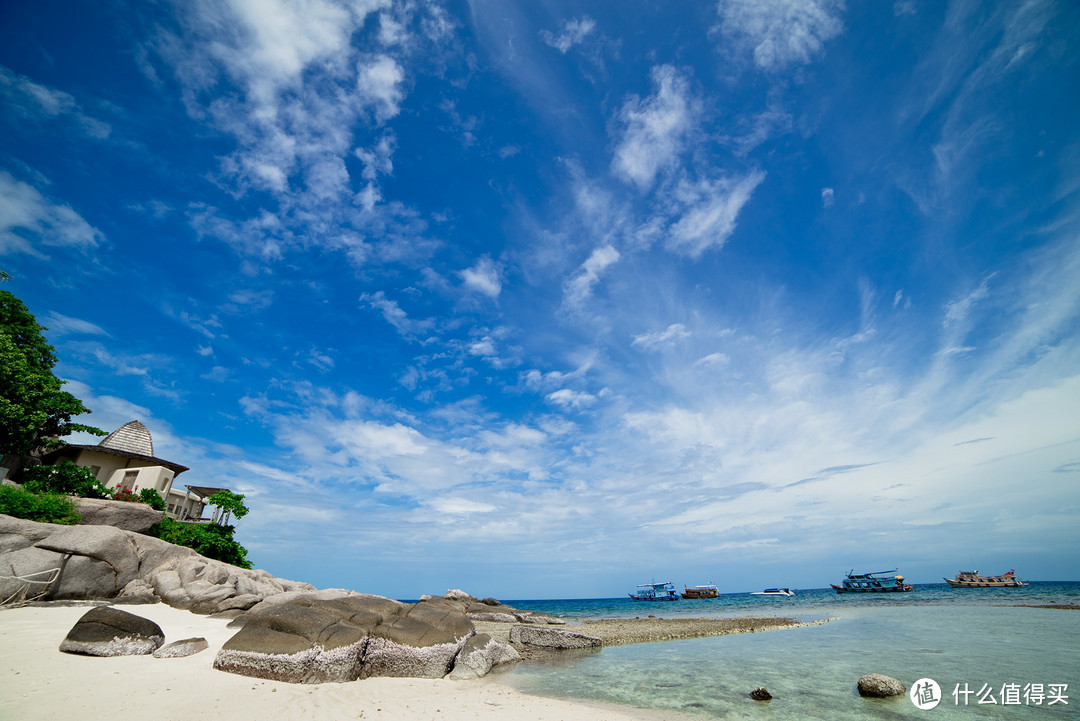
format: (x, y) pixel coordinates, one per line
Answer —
(356, 636)
(106, 631)
(127, 516)
(552, 638)
(479, 655)
(288, 631)
(877, 685)
(101, 562)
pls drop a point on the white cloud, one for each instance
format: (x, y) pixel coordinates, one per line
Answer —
(570, 399)
(669, 336)
(460, 506)
(395, 316)
(780, 33)
(61, 324)
(573, 32)
(29, 220)
(379, 83)
(483, 277)
(827, 197)
(40, 104)
(578, 288)
(713, 360)
(710, 210)
(958, 311)
(655, 129)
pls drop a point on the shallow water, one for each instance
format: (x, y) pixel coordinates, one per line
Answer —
(955, 637)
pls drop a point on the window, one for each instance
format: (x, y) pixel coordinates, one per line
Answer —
(95, 470)
(129, 479)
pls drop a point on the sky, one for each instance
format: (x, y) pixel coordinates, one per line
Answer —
(549, 299)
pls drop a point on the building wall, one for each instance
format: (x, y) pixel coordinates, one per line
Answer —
(113, 470)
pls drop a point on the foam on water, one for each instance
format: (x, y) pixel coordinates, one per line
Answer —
(952, 636)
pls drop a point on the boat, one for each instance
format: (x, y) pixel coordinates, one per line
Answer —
(972, 579)
(873, 582)
(773, 592)
(707, 591)
(656, 592)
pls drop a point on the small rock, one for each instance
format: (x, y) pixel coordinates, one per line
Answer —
(107, 631)
(877, 685)
(180, 649)
(760, 694)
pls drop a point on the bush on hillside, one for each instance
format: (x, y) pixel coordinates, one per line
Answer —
(67, 478)
(41, 507)
(152, 498)
(209, 539)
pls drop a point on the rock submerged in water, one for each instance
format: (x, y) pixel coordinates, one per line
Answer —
(876, 685)
(760, 694)
(106, 631)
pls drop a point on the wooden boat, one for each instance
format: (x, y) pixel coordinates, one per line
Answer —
(773, 592)
(972, 579)
(656, 592)
(706, 591)
(873, 582)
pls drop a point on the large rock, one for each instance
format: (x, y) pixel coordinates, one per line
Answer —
(479, 655)
(313, 640)
(106, 631)
(127, 516)
(102, 562)
(878, 685)
(552, 638)
(297, 644)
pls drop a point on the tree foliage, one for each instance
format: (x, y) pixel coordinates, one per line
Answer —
(152, 498)
(229, 502)
(209, 539)
(34, 411)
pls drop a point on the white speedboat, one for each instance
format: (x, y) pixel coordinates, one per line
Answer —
(774, 592)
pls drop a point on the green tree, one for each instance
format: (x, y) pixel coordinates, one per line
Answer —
(228, 502)
(34, 411)
(209, 539)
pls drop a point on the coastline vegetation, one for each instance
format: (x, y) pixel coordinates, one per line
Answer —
(44, 507)
(213, 540)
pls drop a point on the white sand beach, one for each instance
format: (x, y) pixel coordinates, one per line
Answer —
(39, 683)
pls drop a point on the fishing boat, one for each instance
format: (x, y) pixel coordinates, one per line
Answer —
(656, 592)
(873, 582)
(972, 579)
(707, 591)
(773, 592)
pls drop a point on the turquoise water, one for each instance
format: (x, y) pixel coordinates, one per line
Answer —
(976, 637)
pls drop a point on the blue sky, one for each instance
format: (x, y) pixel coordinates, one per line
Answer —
(549, 299)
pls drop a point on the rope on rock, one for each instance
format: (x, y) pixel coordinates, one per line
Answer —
(21, 596)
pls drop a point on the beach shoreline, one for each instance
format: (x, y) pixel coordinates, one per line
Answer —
(38, 681)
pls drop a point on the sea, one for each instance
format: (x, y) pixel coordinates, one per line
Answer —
(989, 654)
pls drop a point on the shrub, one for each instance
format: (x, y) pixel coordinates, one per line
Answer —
(152, 498)
(67, 478)
(209, 539)
(42, 507)
(125, 494)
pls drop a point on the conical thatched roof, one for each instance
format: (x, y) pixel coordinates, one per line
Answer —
(132, 437)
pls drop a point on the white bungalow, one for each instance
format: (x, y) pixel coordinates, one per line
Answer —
(125, 459)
